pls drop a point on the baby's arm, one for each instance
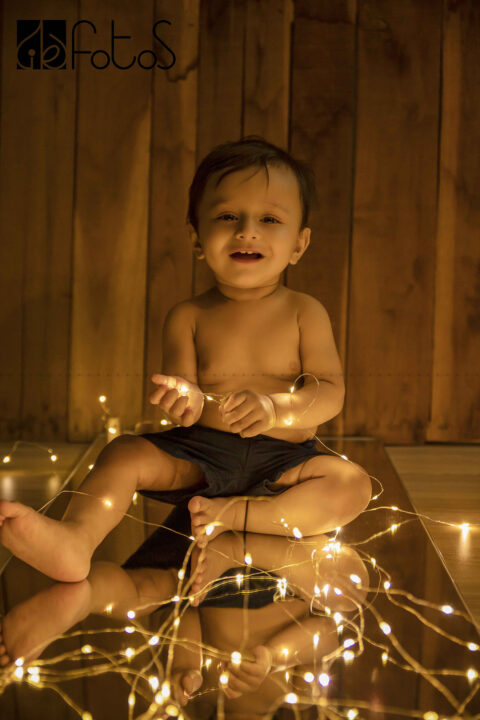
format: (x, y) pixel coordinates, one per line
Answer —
(313, 404)
(178, 394)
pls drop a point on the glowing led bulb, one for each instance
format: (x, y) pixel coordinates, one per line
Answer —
(18, 673)
(352, 714)
(315, 640)
(129, 652)
(131, 614)
(53, 458)
(297, 532)
(153, 640)
(172, 710)
(86, 716)
(355, 579)
(19, 661)
(165, 690)
(239, 578)
(223, 679)
(393, 528)
(309, 677)
(394, 507)
(288, 421)
(324, 679)
(348, 656)
(209, 529)
(447, 609)
(472, 646)
(129, 629)
(384, 658)
(325, 589)
(181, 574)
(316, 590)
(285, 652)
(135, 497)
(385, 628)
(430, 715)
(472, 674)
(291, 698)
(6, 459)
(208, 662)
(102, 398)
(87, 649)
(337, 617)
(109, 609)
(131, 699)
(154, 682)
(374, 562)
(107, 503)
(337, 591)
(236, 657)
(344, 457)
(348, 643)
(176, 598)
(287, 676)
(248, 559)
(176, 622)
(465, 528)
(387, 585)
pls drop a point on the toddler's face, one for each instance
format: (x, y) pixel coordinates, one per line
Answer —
(242, 212)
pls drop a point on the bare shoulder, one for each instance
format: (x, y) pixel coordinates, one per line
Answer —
(307, 304)
(183, 311)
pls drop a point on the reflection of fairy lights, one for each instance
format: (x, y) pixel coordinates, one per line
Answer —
(336, 590)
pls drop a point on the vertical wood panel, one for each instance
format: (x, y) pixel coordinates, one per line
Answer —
(36, 176)
(220, 90)
(456, 373)
(392, 265)
(174, 123)
(110, 221)
(267, 69)
(321, 133)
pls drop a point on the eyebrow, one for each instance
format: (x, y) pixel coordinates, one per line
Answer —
(225, 201)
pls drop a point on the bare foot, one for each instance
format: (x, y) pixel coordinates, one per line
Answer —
(57, 549)
(212, 516)
(185, 682)
(27, 629)
(210, 562)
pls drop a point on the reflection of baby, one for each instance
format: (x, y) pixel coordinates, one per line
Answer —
(246, 339)
(274, 642)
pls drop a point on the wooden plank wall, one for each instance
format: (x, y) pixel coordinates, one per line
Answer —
(379, 96)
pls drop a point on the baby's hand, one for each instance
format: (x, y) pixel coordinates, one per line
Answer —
(248, 413)
(248, 676)
(182, 400)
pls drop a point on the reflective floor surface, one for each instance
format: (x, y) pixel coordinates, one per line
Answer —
(360, 623)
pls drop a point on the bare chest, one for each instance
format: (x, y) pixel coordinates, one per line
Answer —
(254, 347)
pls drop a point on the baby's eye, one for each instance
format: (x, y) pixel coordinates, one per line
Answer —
(225, 215)
(269, 217)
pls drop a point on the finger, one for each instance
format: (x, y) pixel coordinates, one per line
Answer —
(237, 685)
(246, 671)
(255, 429)
(233, 401)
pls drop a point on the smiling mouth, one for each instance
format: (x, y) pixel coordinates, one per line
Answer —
(246, 257)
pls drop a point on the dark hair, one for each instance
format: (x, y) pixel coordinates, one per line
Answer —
(250, 151)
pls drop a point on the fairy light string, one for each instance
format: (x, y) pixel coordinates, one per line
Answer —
(152, 682)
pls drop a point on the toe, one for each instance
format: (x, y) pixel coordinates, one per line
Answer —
(194, 504)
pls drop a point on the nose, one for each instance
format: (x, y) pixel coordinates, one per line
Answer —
(246, 228)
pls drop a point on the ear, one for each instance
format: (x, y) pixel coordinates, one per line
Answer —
(197, 248)
(302, 244)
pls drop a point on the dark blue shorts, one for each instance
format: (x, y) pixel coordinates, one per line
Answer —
(232, 465)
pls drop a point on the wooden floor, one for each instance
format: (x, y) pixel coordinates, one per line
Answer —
(443, 482)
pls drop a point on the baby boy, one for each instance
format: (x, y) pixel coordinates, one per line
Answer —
(232, 361)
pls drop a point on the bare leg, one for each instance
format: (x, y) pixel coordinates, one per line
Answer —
(63, 550)
(312, 507)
